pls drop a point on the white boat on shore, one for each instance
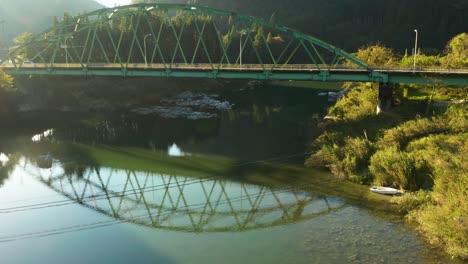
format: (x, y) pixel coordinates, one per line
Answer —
(384, 190)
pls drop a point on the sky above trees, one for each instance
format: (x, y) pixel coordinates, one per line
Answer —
(111, 3)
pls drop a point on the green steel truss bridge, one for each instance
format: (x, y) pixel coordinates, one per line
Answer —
(174, 40)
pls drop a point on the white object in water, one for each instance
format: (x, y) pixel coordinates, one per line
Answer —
(384, 190)
(44, 161)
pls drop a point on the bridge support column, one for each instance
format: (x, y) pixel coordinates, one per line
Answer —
(385, 97)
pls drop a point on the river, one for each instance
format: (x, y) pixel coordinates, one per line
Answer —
(224, 186)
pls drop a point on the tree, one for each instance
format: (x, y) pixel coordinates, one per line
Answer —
(6, 81)
(269, 38)
(258, 40)
(457, 52)
(20, 40)
(228, 37)
(377, 56)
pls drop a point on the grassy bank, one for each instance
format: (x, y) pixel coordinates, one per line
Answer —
(414, 147)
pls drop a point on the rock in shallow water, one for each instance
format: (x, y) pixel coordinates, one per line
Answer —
(174, 112)
(187, 105)
(198, 100)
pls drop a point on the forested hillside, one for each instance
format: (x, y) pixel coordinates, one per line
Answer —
(37, 15)
(350, 24)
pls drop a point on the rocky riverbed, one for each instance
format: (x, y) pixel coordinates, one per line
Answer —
(187, 105)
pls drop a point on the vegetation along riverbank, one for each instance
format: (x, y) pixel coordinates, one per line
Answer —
(419, 147)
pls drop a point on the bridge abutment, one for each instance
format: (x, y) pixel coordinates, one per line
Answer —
(385, 97)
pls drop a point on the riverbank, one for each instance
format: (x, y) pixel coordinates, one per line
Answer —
(415, 147)
(101, 94)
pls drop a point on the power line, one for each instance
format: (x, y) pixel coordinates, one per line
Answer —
(129, 191)
(105, 223)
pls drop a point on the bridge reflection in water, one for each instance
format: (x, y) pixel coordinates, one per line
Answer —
(182, 203)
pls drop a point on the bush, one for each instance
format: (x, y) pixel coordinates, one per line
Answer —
(446, 225)
(6, 82)
(442, 217)
(359, 102)
(421, 61)
(344, 161)
(377, 56)
(455, 120)
(457, 52)
(394, 168)
(412, 200)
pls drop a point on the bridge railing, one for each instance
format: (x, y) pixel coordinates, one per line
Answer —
(229, 67)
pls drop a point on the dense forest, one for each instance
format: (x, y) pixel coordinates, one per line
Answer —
(345, 23)
(351, 24)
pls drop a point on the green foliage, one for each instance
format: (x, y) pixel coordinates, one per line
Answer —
(23, 38)
(359, 102)
(443, 213)
(6, 88)
(6, 82)
(421, 61)
(392, 167)
(445, 225)
(377, 55)
(258, 39)
(444, 221)
(412, 200)
(454, 120)
(456, 57)
(344, 160)
(26, 52)
(457, 52)
(227, 39)
(349, 24)
(269, 38)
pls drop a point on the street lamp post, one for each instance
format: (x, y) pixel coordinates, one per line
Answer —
(3, 37)
(66, 49)
(240, 48)
(415, 50)
(144, 42)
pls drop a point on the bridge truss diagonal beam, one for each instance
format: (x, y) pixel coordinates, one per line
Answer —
(167, 36)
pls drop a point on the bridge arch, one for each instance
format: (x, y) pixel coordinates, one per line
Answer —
(173, 39)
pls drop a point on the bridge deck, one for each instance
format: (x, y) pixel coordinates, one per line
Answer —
(457, 77)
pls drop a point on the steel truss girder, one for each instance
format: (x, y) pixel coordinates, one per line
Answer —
(315, 75)
(202, 19)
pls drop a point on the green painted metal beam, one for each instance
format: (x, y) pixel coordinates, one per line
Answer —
(193, 35)
(358, 76)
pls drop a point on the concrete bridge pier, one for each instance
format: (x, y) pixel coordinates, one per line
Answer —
(385, 97)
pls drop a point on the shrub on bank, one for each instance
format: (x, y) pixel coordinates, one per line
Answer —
(6, 82)
(412, 200)
(344, 160)
(359, 102)
(442, 214)
(424, 153)
(392, 167)
(6, 93)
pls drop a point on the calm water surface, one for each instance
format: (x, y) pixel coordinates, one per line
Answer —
(127, 188)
